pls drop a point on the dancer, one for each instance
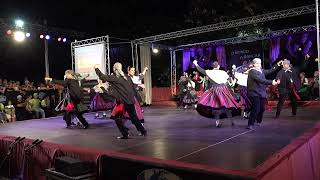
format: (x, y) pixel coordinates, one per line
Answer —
(241, 80)
(289, 84)
(198, 80)
(122, 90)
(183, 86)
(217, 99)
(102, 100)
(72, 85)
(137, 83)
(190, 97)
(257, 84)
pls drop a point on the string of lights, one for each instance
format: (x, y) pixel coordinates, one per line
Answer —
(20, 31)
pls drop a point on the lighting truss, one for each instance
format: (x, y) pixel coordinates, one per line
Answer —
(230, 24)
(251, 38)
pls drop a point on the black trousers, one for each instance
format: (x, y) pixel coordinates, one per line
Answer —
(134, 119)
(293, 101)
(257, 109)
(79, 115)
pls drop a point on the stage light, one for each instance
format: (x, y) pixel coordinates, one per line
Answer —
(28, 34)
(19, 23)
(47, 37)
(64, 40)
(9, 32)
(59, 39)
(19, 36)
(155, 50)
(41, 36)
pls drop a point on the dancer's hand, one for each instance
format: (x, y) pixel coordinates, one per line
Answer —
(307, 56)
(87, 89)
(146, 69)
(278, 81)
(280, 63)
(274, 82)
(96, 66)
(195, 62)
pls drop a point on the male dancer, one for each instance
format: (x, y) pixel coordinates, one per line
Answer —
(75, 92)
(289, 83)
(256, 85)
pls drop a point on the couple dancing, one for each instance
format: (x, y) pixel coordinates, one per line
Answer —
(121, 88)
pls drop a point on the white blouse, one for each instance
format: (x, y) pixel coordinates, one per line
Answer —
(218, 76)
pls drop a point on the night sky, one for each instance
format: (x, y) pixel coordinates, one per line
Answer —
(125, 19)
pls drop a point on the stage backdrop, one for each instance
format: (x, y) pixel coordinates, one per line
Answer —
(279, 48)
(238, 53)
(225, 55)
(85, 57)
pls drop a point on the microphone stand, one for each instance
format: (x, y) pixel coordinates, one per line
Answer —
(27, 152)
(9, 151)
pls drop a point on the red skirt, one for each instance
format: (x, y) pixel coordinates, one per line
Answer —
(244, 99)
(98, 103)
(120, 112)
(214, 99)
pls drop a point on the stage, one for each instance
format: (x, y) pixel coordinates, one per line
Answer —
(182, 135)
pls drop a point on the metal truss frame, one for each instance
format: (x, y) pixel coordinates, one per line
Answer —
(230, 24)
(173, 72)
(92, 41)
(251, 38)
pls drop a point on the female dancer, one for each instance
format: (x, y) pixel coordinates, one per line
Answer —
(241, 80)
(103, 99)
(217, 99)
(190, 97)
(122, 90)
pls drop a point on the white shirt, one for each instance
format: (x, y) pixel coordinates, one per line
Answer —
(218, 76)
(136, 80)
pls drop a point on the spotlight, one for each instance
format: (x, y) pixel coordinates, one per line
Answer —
(47, 37)
(41, 36)
(19, 23)
(19, 36)
(155, 50)
(28, 34)
(59, 39)
(64, 40)
(9, 32)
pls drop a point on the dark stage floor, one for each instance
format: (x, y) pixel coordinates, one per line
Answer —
(181, 135)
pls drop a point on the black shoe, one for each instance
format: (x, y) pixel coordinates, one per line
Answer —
(250, 127)
(86, 127)
(143, 134)
(258, 124)
(122, 137)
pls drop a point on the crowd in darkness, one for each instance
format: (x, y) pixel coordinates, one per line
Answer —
(22, 101)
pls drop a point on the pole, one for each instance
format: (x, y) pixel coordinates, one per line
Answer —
(46, 57)
(318, 38)
(132, 53)
(137, 56)
(108, 55)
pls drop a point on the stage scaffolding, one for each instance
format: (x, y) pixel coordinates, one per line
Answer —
(92, 41)
(234, 40)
